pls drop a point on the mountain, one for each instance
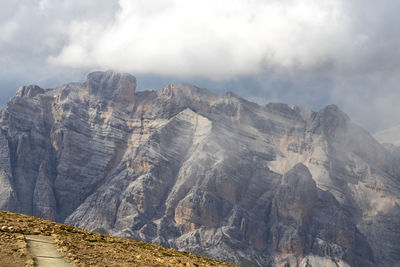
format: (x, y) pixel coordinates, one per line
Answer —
(215, 175)
(391, 136)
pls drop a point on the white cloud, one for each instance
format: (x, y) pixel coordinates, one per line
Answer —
(306, 52)
(215, 39)
(31, 31)
(211, 38)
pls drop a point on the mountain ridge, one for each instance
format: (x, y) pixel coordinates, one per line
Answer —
(216, 175)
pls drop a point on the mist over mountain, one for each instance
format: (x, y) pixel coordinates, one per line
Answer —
(300, 52)
(216, 175)
(390, 136)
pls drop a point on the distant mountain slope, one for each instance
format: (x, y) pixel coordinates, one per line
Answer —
(391, 136)
(85, 248)
(215, 175)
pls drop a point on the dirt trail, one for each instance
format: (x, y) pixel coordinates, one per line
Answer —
(45, 251)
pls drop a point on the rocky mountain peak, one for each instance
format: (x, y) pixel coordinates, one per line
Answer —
(112, 85)
(332, 112)
(185, 90)
(29, 91)
(330, 120)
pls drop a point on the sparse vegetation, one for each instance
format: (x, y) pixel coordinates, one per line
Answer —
(85, 248)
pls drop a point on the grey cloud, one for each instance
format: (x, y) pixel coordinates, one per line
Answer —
(31, 31)
(309, 53)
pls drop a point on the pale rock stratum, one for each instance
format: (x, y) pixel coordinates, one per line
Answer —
(215, 175)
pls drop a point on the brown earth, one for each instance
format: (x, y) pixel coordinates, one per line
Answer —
(84, 248)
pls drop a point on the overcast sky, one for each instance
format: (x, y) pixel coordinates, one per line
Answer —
(304, 52)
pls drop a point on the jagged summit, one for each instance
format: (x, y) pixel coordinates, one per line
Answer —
(187, 91)
(217, 175)
(29, 91)
(112, 85)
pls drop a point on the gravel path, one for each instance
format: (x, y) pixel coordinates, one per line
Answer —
(45, 251)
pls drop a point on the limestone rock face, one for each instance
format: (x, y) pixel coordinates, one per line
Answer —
(296, 197)
(217, 175)
(112, 86)
(29, 91)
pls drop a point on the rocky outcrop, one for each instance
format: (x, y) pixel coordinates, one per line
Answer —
(109, 85)
(217, 175)
(309, 221)
(296, 197)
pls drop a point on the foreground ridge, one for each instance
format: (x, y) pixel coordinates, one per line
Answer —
(84, 248)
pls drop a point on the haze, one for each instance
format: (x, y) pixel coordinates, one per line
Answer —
(310, 53)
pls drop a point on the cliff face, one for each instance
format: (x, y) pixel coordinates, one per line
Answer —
(185, 168)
